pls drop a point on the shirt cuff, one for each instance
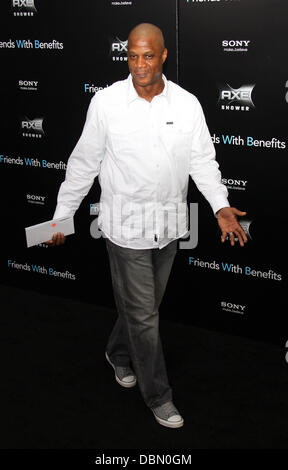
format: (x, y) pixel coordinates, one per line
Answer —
(218, 203)
(62, 211)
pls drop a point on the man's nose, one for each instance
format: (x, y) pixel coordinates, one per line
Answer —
(140, 62)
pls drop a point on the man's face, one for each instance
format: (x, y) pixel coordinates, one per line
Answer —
(145, 60)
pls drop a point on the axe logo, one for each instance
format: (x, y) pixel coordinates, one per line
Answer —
(32, 127)
(246, 225)
(118, 50)
(238, 99)
(23, 7)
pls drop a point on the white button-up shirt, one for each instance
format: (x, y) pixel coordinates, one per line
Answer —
(143, 153)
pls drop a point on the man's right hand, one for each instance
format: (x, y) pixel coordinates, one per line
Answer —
(57, 239)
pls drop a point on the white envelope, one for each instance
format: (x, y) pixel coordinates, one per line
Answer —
(40, 233)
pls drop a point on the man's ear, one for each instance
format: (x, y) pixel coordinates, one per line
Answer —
(164, 55)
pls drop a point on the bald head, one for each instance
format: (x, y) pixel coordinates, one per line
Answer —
(147, 31)
(146, 55)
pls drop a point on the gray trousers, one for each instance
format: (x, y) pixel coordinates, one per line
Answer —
(139, 279)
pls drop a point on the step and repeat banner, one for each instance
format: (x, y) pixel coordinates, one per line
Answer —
(231, 54)
(232, 57)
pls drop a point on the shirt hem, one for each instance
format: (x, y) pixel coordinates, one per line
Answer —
(145, 247)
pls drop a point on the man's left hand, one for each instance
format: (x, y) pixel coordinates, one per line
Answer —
(229, 225)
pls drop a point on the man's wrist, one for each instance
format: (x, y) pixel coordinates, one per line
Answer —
(219, 210)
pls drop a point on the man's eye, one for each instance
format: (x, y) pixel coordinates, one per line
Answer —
(149, 56)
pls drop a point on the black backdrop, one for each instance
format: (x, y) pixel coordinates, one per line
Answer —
(230, 54)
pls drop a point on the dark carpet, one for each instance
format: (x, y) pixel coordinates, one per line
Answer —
(58, 392)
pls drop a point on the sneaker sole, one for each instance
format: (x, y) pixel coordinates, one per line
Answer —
(168, 424)
(120, 382)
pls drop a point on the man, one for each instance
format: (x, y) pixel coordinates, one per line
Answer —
(144, 136)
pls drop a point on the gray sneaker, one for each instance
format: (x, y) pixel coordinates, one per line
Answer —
(168, 415)
(124, 375)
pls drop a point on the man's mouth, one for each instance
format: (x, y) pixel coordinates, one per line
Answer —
(141, 75)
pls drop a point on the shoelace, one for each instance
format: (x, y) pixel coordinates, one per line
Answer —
(168, 409)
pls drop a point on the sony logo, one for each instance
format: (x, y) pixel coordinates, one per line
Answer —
(28, 83)
(235, 43)
(234, 182)
(238, 307)
(33, 197)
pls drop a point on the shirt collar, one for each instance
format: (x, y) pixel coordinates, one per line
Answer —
(133, 95)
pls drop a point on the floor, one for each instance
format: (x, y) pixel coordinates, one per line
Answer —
(58, 391)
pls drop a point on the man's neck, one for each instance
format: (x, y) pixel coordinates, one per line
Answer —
(148, 92)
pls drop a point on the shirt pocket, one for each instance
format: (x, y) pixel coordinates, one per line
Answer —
(185, 135)
(178, 138)
(126, 139)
